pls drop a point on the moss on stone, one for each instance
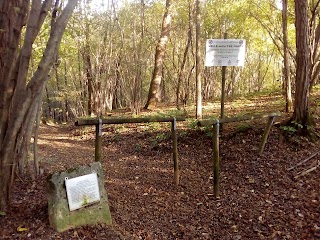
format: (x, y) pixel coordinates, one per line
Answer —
(60, 217)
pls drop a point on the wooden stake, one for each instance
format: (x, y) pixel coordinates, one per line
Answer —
(216, 160)
(98, 150)
(175, 151)
(266, 133)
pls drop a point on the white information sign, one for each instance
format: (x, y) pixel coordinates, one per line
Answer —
(82, 191)
(225, 52)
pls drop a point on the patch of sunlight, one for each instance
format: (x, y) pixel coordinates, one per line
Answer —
(121, 128)
(211, 106)
(58, 144)
(57, 137)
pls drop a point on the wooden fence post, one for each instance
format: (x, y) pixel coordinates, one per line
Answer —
(266, 133)
(175, 151)
(98, 150)
(216, 160)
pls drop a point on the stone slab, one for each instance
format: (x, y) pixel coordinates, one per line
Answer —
(60, 216)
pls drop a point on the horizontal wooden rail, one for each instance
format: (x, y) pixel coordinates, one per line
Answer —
(208, 122)
(95, 121)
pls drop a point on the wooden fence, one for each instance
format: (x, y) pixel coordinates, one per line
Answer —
(98, 122)
(216, 122)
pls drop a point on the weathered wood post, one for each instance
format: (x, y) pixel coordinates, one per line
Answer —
(266, 133)
(98, 141)
(216, 159)
(175, 151)
(223, 86)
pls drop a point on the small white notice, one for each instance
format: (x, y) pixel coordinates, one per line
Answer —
(82, 191)
(225, 52)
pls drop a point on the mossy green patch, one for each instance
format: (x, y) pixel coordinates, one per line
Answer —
(60, 217)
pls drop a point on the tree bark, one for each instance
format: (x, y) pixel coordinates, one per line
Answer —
(89, 75)
(301, 103)
(198, 62)
(184, 60)
(20, 97)
(286, 64)
(314, 42)
(154, 90)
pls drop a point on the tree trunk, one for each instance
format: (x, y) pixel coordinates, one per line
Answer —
(19, 96)
(154, 90)
(301, 103)
(198, 62)
(137, 83)
(314, 42)
(184, 60)
(286, 64)
(88, 67)
(36, 161)
(66, 103)
(49, 110)
(89, 76)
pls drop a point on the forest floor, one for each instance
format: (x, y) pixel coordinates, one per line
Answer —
(260, 198)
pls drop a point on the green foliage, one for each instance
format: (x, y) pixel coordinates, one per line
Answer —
(298, 125)
(182, 133)
(156, 126)
(84, 200)
(137, 147)
(160, 137)
(289, 129)
(163, 136)
(193, 123)
(120, 128)
(170, 113)
(293, 128)
(209, 131)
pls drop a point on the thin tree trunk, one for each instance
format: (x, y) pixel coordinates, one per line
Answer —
(88, 67)
(66, 103)
(35, 142)
(314, 27)
(198, 62)
(286, 64)
(154, 95)
(184, 60)
(89, 75)
(49, 103)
